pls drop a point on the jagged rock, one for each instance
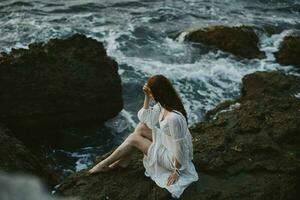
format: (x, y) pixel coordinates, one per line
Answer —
(289, 51)
(58, 84)
(15, 157)
(271, 84)
(256, 143)
(272, 29)
(247, 148)
(127, 183)
(241, 41)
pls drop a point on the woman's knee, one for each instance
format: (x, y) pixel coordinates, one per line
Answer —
(141, 127)
(132, 139)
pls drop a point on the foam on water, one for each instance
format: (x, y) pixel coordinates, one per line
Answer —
(118, 125)
(230, 108)
(214, 77)
(136, 36)
(297, 95)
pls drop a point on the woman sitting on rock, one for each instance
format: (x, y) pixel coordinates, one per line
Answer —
(167, 149)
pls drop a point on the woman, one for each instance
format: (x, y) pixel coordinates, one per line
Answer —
(168, 149)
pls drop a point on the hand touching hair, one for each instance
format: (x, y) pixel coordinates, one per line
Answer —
(162, 91)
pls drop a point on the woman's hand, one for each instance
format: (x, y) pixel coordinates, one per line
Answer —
(147, 90)
(172, 178)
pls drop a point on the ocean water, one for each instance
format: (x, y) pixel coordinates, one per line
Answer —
(139, 36)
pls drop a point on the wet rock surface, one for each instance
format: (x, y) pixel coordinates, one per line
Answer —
(246, 148)
(241, 41)
(289, 51)
(57, 84)
(51, 86)
(16, 157)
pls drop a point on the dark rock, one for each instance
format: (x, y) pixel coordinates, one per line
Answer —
(127, 183)
(58, 84)
(257, 144)
(289, 51)
(241, 41)
(272, 84)
(250, 151)
(221, 106)
(272, 29)
(15, 157)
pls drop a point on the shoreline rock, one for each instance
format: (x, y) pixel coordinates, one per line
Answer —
(47, 88)
(15, 157)
(289, 51)
(57, 84)
(250, 151)
(241, 41)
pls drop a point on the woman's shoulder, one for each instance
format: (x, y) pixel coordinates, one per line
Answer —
(177, 113)
(178, 117)
(175, 116)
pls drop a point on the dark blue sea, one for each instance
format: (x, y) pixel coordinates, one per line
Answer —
(139, 36)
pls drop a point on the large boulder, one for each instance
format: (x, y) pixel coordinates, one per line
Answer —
(289, 51)
(15, 157)
(61, 83)
(247, 148)
(241, 41)
(252, 144)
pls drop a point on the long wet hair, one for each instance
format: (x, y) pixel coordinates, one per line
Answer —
(164, 92)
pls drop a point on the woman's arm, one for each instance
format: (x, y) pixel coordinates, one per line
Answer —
(147, 93)
(148, 114)
(146, 101)
(176, 163)
(177, 131)
(175, 174)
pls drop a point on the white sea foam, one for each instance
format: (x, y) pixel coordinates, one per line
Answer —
(219, 75)
(230, 108)
(270, 45)
(181, 36)
(203, 79)
(122, 122)
(297, 95)
(81, 164)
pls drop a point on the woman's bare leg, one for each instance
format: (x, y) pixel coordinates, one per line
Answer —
(141, 129)
(134, 140)
(122, 162)
(122, 150)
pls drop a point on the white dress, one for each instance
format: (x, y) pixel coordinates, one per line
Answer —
(171, 138)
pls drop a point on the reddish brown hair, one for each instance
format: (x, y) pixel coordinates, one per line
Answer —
(164, 92)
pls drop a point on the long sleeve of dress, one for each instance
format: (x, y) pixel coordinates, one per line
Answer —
(150, 115)
(181, 140)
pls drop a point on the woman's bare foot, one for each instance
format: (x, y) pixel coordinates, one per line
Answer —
(100, 167)
(120, 163)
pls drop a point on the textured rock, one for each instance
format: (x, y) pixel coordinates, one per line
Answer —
(241, 41)
(254, 145)
(289, 51)
(15, 157)
(272, 29)
(127, 183)
(61, 83)
(247, 148)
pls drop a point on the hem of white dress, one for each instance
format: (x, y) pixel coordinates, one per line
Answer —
(174, 195)
(148, 162)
